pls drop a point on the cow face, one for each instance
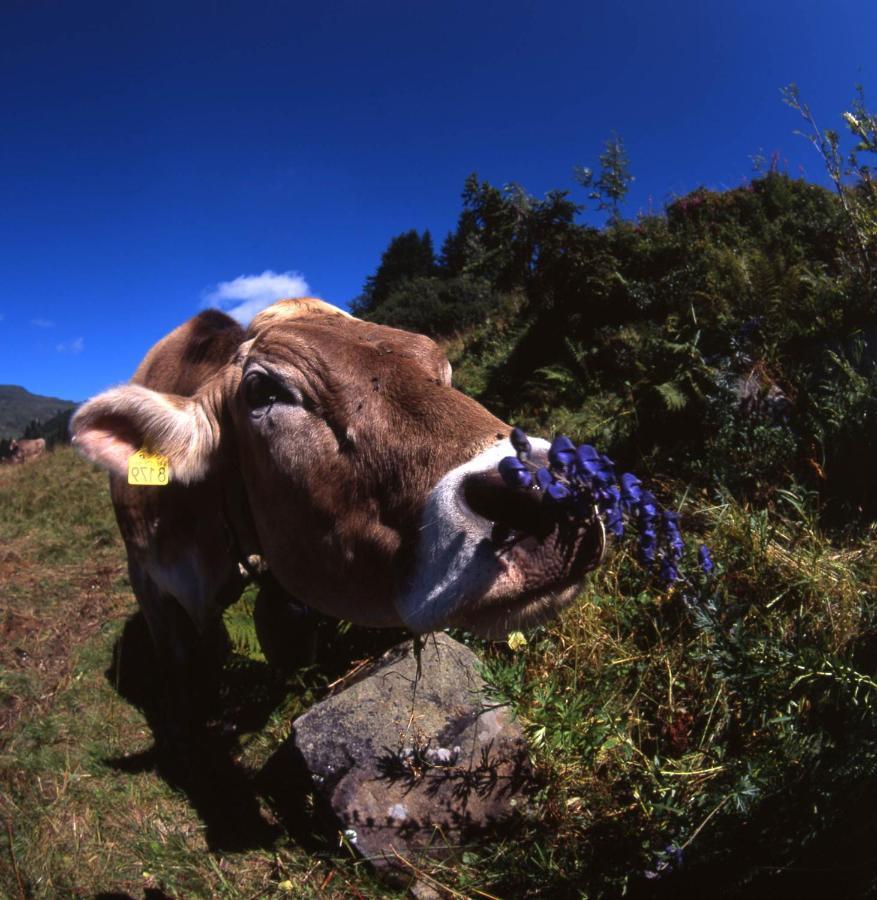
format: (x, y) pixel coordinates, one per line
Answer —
(343, 428)
(371, 481)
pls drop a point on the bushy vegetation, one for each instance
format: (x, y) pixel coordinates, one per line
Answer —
(730, 340)
(718, 738)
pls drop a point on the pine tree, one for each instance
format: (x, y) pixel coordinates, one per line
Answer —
(611, 187)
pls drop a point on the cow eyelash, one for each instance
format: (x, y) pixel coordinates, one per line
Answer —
(261, 390)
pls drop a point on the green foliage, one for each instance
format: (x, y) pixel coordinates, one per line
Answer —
(437, 306)
(851, 176)
(715, 718)
(611, 186)
(408, 256)
(842, 418)
(686, 339)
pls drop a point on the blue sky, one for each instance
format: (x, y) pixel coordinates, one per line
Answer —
(155, 155)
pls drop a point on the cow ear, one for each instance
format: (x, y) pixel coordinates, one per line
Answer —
(113, 425)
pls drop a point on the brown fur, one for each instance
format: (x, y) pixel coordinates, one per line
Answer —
(27, 450)
(316, 441)
(379, 428)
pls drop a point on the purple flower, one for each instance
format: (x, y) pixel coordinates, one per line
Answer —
(592, 465)
(544, 479)
(670, 860)
(558, 491)
(607, 470)
(514, 473)
(610, 498)
(586, 452)
(630, 488)
(648, 542)
(520, 442)
(587, 460)
(668, 573)
(561, 453)
(671, 534)
(581, 482)
(648, 506)
(614, 520)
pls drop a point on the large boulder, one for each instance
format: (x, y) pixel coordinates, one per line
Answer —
(413, 764)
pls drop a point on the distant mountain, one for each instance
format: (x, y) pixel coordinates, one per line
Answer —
(19, 407)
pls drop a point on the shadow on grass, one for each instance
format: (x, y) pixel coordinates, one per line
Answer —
(239, 699)
(786, 849)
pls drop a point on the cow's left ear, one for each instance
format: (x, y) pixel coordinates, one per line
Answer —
(112, 426)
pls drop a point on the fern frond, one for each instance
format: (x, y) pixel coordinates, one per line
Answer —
(672, 395)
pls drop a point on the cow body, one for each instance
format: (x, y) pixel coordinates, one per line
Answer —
(337, 452)
(26, 450)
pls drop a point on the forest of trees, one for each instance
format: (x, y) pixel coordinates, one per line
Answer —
(730, 339)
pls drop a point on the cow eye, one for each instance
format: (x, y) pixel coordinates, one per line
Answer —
(260, 390)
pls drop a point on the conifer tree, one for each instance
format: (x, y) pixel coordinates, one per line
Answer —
(610, 188)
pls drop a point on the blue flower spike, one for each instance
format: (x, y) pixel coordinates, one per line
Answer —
(674, 540)
(521, 443)
(561, 453)
(580, 482)
(669, 573)
(705, 560)
(631, 490)
(514, 473)
(544, 479)
(648, 544)
(648, 507)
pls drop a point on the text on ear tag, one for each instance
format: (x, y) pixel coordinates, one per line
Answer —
(146, 468)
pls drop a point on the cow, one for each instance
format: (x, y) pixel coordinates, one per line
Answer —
(338, 454)
(26, 450)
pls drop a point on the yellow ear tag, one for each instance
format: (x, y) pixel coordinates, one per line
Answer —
(145, 468)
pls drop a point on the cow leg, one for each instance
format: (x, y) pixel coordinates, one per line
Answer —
(187, 660)
(287, 630)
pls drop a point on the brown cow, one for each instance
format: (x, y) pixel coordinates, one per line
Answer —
(338, 452)
(27, 450)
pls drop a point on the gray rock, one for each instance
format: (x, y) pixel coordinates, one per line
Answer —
(416, 767)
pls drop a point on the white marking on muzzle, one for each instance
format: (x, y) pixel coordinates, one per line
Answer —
(457, 563)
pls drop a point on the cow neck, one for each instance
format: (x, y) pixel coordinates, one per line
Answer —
(238, 521)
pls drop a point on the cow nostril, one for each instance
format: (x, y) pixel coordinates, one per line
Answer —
(488, 496)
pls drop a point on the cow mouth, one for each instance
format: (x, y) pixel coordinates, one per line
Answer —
(493, 559)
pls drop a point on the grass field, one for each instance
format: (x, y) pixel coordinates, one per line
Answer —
(717, 740)
(84, 810)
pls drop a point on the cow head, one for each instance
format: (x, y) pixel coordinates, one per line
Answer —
(371, 481)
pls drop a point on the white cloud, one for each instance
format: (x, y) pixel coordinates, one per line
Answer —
(248, 294)
(42, 323)
(77, 345)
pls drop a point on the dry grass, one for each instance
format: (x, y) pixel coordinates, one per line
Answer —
(74, 824)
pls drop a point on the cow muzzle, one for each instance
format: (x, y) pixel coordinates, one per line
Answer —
(492, 558)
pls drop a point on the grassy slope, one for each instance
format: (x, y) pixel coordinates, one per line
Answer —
(735, 719)
(75, 824)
